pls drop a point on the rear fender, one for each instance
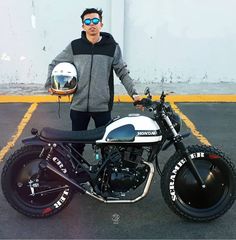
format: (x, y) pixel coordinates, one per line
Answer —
(34, 140)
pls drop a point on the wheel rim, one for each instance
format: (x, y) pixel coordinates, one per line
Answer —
(30, 172)
(191, 195)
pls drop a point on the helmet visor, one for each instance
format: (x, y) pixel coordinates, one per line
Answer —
(61, 82)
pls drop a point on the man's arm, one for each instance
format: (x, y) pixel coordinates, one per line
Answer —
(65, 56)
(123, 73)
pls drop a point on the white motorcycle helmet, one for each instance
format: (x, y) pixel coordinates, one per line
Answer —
(64, 79)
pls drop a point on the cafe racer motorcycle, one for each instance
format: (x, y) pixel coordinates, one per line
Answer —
(197, 182)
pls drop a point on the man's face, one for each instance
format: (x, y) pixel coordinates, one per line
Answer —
(92, 29)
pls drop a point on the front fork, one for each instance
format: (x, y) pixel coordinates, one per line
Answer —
(180, 147)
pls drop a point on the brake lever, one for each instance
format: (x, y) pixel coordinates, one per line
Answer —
(145, 102)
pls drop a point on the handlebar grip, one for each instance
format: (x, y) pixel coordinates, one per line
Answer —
(145, 102)
(137, 103)
(149, 104)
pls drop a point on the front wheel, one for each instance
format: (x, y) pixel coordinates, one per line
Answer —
(29, 190)
(186, 197)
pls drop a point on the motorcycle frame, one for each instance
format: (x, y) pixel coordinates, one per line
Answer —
(65, 149)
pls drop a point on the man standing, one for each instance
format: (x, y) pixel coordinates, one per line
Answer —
(95, 56)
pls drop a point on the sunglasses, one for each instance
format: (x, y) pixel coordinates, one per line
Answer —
(88, 21)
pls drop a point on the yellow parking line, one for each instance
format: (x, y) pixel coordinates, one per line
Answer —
(184, 98)
(190, 125)
(20, 129)
(120, 98)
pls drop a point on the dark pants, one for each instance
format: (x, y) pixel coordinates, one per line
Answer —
(80, 121)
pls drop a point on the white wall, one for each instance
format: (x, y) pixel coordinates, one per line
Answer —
(35, 31)
(181, 40)
(171, 40)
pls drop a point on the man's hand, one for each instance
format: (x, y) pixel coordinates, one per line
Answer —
(137, 98)
(50, 91)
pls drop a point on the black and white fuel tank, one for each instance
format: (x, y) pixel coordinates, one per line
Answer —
(132, 129)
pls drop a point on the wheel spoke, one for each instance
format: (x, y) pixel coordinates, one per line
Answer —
(52, 190)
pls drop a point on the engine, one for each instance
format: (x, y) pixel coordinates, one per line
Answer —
(125, 170)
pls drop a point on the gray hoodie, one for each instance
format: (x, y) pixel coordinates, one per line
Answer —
(95, 64)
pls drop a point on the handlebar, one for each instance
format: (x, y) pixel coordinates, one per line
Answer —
(148, 103)
(152, 105)
(144, 102)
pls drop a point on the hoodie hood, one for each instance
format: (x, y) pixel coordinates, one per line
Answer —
(107, 38)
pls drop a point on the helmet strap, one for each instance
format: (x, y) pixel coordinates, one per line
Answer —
(59, 106)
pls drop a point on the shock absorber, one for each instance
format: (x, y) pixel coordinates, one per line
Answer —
(50, 151)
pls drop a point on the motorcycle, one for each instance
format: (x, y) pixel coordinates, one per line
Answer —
(198, 182)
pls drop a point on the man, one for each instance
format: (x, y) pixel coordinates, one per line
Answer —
(95, 56)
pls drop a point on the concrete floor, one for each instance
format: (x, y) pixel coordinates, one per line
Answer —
(86, 218)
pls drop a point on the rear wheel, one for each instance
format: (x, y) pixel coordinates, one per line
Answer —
(184, 195)
(29, 190)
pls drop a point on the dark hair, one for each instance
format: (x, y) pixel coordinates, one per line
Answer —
(91, 10)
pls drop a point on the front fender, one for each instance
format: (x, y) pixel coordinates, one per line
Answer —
(34, 140)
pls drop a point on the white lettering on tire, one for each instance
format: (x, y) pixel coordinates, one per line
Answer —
(62, 199)
(66, 192)
(175, 171)
(59, 164)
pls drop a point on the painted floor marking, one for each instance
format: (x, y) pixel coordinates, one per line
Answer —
(190, 125)
(19, 131)
(119, 98)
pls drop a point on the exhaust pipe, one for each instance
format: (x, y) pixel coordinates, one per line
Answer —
(45, 165)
